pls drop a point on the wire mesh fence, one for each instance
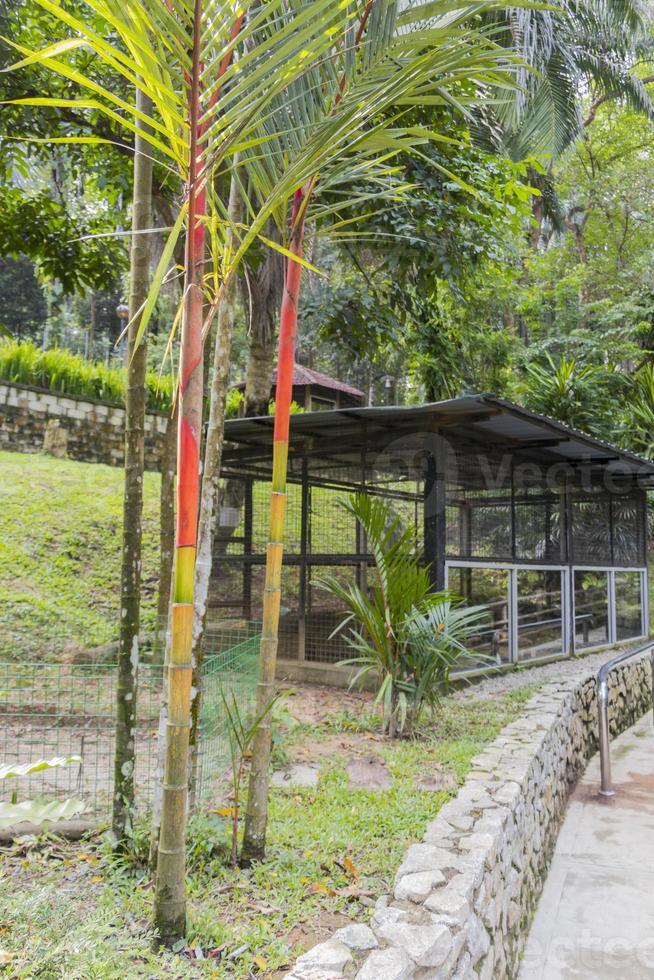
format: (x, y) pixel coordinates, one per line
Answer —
(68, 709)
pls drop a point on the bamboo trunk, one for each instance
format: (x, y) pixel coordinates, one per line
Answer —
(130, 584)
(213, 450)
(256, 818)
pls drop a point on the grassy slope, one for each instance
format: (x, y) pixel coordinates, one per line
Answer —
(60, 537)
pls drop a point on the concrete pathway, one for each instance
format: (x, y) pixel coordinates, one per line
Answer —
(595, 919)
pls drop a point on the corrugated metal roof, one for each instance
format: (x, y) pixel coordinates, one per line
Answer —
(482, 419)
(304, 376)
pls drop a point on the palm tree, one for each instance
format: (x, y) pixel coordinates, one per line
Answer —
(641, 431)
(181, 55)
(574, 393)
(574, 48)
(400, 629)
(337, 129)
(566, 50)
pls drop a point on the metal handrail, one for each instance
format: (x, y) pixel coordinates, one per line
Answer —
(603, 711)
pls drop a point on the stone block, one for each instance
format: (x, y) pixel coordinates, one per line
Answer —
(329, 956)
(416, 887)
(426, 857)
(387, 964)
(55, 440)
(388, 914)
(357, 936)
(449, 902)
(426, 944)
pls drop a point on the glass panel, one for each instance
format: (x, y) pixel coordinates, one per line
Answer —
(540, 614)
(591, 609)
(486, 587)
(628, 605)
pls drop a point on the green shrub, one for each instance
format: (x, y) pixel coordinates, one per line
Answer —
(399, 629)
(69, 374)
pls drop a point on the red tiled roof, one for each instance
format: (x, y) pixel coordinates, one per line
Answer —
(306, 376)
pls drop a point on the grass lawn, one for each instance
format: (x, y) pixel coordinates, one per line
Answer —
(73, 911)
(60, 543)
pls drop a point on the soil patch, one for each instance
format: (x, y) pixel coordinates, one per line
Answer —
(369, 773)
(313, 704)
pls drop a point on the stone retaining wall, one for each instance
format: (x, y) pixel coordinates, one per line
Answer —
(93, 431)
(465, 897)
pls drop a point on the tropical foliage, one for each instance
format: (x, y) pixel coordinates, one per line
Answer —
(570, 391)
(401, 631)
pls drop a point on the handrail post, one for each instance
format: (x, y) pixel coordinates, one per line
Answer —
(606, 787)
(651, 660)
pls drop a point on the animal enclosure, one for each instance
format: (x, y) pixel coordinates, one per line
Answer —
(543, 526)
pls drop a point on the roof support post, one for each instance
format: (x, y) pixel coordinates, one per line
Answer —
(434, 513)
(304, 568)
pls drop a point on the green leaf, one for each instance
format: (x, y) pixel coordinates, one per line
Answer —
(160, 274)
(39, 811)
(27, 768)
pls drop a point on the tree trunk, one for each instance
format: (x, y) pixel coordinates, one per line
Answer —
(170, 890)
(213, 450)
(90, 350)
(130, 584)
(256, 819)
(166, 535)
(262, 290)
(576, 219)
(537, 214)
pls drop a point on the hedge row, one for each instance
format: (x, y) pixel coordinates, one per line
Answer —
(69, 374)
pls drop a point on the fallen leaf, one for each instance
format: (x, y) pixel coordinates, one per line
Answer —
(350, 867)
(318, 887)
(261, 963)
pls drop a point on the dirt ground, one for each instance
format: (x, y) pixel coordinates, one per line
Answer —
(361, 750)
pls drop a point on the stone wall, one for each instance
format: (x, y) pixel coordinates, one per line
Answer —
(464, 898)
(94, 432)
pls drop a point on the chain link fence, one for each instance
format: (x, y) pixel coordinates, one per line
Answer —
(65, 709)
